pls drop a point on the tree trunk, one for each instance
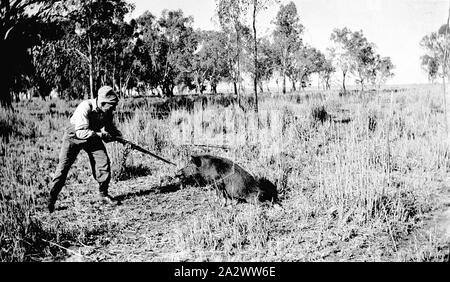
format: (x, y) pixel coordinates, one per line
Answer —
(114, 71)
(5, 96)
(238, 63)
(343, 81)
(121, 94)
(255, 80)
(284, 69)
(167, 90)
(91, 69)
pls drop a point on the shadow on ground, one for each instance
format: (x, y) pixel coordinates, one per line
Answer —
(131, 172)
(170, 188)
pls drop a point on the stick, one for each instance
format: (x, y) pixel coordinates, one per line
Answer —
(140, 149)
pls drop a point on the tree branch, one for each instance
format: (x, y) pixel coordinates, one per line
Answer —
(82, 54)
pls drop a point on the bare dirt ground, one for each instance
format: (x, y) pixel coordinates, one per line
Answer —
(140, 228)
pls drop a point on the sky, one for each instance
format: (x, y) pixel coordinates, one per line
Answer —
(395, 26)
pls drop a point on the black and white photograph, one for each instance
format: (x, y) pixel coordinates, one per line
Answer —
(224, 131)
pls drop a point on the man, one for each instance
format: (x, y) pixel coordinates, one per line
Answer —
(91, 123)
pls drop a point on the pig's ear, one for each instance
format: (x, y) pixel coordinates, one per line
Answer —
(196, 160)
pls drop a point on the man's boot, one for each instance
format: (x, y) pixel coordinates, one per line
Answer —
(107, 199)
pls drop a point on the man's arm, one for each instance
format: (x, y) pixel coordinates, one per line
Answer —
(80, 121)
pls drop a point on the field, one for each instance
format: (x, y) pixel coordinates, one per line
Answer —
(368, 184)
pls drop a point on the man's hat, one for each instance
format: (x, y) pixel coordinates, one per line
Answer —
(107, 95)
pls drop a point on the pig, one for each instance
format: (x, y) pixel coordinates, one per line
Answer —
(230, 180)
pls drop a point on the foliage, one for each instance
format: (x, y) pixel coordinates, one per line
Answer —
(287, 40)
(23, 24)
(58, 67)
(231, 14)
(437, 47)
(179, 41)
(383, 70)
(266, 64)
(307, 60)
(326, 70)
(212, 62)
(96, 23)
(354, 54)
(74, 47)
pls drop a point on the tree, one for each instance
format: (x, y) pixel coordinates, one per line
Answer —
(436, 61)
(436, 45)
(20, 25)
(325, 71)
(120, 60)
(256, 6)
(211, 62)
(265, 64)
(354, 54)
(383, 70)
(431, 66)
(165, 50)
(150, 53)
(94, 48)
(179, 42)
(307, 61)
(231, 15)
(58, 67)
(340, 52)
(96, 21)
(363, 53)
(287, 38)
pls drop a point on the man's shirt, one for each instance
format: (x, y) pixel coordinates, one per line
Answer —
(89, 119)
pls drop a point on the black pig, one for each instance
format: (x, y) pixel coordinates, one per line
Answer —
(229, 179)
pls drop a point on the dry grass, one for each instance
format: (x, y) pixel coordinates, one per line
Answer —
(351, 191)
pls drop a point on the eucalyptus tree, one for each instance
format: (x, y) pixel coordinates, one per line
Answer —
(21, 24)
(287, 38)
(211, 62)
(354, 54)
(436, 61)
(150, 53)
(437, 51)
(256, 6)
(341, 53)
(383, 70)
(96, 21)
(231, 14)
(178, 42)
(266, 63)
(57, 66)
(364, 58)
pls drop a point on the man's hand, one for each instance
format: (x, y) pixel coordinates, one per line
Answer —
(105, 136)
